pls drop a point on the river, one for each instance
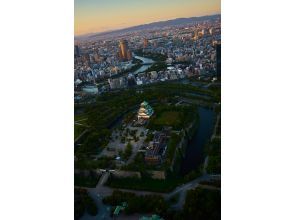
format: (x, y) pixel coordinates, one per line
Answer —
(143, 68)
(194, 152)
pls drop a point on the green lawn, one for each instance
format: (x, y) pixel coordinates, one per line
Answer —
(81, 117)
(168, 118)
(214, 164)
(152, 185)
(78, 130)
(89, 164)
(202, 204)
(214, 160)
(83, 203)
(83, 181)
(147, 184)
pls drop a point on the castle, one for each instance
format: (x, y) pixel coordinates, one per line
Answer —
(145, 111)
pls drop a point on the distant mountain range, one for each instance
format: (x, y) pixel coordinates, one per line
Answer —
(154, 25)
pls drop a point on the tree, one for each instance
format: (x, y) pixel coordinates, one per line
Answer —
(149, 137)
(202, 204)
(137, 204)
(123, 139)
(83, 202)
(91, 206)
(128, 151)
(95, 140)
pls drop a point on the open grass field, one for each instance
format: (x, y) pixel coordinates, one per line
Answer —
(169, 118)
(81, 123)
(85, 181)
(148, 184)
(78, 130)
(81, 118)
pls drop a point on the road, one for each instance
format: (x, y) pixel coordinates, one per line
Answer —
(76, 123)
(104, 191)
(80, 136)
(103, 210)
(182, 190)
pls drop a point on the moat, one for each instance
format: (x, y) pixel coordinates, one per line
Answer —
(194, 152)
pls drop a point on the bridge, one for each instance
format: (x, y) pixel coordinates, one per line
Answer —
(104, 177)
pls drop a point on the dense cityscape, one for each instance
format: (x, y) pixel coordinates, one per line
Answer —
(147, 122)
(125, 61)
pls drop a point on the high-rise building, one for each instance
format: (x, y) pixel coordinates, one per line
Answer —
(203, 32)
(86, 57)
(114, 83)
(129, 55)
(145, 43)
(211, 31)
(96, 57)
(124, 52)
(123, 82)
(131, 80)
(195, 37)
(120, 56)
(123, 44)
(77, 51)
(218, 61)
(214, 43)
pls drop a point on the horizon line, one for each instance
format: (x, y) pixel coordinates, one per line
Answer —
(101, 32)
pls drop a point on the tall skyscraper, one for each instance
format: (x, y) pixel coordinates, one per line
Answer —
(218, 61)
(145, 43)
(124, 52)
(195, 35)
(120, 56)
(123, 44)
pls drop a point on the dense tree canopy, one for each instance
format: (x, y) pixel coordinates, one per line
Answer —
(202, 204)
(138, 204)
(83, 203)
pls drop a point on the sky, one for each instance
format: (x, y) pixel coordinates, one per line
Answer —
(92, 16)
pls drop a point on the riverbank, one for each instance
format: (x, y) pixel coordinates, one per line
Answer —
(195, 148)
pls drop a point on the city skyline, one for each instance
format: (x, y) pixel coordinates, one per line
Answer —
(101, 16)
